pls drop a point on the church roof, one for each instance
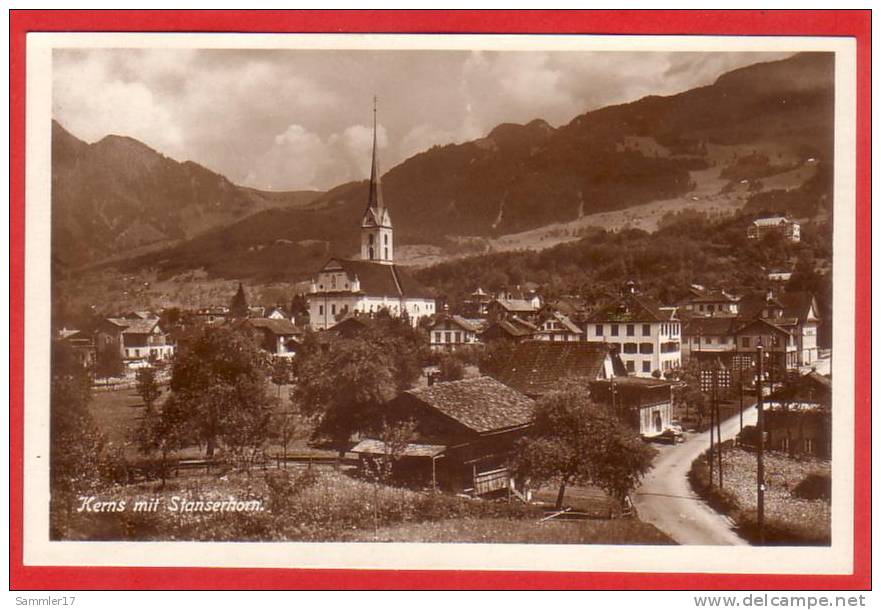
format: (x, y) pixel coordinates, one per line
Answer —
(381, 279)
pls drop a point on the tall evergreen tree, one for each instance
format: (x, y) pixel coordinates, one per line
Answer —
(238, 307)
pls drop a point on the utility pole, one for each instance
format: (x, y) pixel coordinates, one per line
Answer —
(710, 385)
(760, 457)
(718, 415)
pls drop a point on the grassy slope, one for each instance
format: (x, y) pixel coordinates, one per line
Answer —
(620, 531)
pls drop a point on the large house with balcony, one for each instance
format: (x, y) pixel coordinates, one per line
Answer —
(374, 283)
(647, 334)
(555, 326)
(708, 302)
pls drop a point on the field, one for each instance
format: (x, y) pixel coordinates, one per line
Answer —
(118, 413)
(789, 519)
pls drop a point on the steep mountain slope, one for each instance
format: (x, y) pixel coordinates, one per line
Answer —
(118, 194)
(519, 177)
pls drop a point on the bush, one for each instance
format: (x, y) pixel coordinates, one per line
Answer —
(815, 486)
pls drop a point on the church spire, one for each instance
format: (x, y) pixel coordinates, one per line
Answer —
(374, 197)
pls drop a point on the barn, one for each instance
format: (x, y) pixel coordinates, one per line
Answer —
(465, 433)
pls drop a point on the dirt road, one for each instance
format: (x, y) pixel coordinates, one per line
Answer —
(666, 500)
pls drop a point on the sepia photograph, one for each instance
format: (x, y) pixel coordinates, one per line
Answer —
(448, 294)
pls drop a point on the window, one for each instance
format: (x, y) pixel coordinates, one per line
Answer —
(646, 366)
(744, 342)
(437, 337)
(386, 253)
(614, 329)
(386, 239)
(599, 330)
(370, 239)
(646, 348)
(646, 330)
(809, 445)
(630, 330)
(333, 309)
(630, 348)
(631, 368)
(321, 310)
(371, 252)
(137, 353)
(458, 337)
(784, 444)
(448, 337)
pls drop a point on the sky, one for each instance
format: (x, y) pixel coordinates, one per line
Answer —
(295, 119)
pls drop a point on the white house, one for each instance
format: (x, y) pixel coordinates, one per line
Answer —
(789, 229)
(448, 333)
(648, 335)
(374, 283)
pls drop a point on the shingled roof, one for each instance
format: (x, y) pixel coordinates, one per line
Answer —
(273, 325)
(537, 367)
(481, 404)
(711, 326)
(379, 279)
(135, 326)
(633, 308)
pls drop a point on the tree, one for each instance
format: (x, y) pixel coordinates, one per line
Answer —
(148, 388)
(238, 306)
(281, 374)
(343, 386)
(394, 437)
(77, 451)
(109, 362)
(220, 380)
(451, 368)
(574, 440)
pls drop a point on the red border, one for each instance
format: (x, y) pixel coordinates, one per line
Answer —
(849, 23)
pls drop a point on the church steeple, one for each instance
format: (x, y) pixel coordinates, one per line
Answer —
(376, 225)
(374, 197)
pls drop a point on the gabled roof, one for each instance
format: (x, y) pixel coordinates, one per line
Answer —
(516, 305)
(379, 279)
(481, 404)
(135, 326)
(538, 367)
(459, 321)
(710, 326)
(634, 308)
(798, 304)
(564, 321)
(772, 221)
(513, 327)
(762, 321)
(273, 325)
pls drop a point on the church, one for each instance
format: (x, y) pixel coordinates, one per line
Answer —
(373, 283)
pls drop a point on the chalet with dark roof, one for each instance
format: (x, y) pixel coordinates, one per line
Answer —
(274, 336)
(646, 405)
(556, 326)
(133, 338)
(798, 416)
(510, 330)
(464, 437)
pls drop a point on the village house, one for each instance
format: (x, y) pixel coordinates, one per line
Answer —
(554, 326)
(798, 417)
(708, 302)
(274, 336)
(646, 405)
(528, 292)
(511, 330)
(477, 303)
(211, 316)
(647, 334)
(448, 333)
(778, 344)
(707, 339)
(374, 283)
(786, 227)
(82, 345)
(778, 274)
(538, 367)
(464, 438)
(797, 313)
(134, 338)
(501, 309)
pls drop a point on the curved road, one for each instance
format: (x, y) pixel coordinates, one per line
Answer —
(665, 498)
